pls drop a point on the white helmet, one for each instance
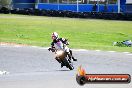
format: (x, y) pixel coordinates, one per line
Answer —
(55, 35)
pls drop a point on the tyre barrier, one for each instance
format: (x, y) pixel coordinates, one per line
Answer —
(70, 14)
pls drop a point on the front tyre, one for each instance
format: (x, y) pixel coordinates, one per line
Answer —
(68, 64)
(71, 66)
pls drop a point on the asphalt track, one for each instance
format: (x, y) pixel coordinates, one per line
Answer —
(35, 67)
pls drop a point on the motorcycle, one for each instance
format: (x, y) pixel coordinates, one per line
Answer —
(62, 57)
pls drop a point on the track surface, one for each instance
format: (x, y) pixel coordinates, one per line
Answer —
(35, 67)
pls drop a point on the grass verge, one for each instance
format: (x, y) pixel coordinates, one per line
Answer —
(89, 34)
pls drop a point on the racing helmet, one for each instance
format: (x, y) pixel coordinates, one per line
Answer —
(55, 35)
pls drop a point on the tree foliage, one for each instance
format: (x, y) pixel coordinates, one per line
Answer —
(5, 3)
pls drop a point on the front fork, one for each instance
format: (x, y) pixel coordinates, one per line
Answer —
(57, 59)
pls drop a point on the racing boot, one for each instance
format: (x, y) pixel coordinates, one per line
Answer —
(72, 56)
(74, 59)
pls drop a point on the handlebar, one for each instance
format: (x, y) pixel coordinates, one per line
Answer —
(51, 49)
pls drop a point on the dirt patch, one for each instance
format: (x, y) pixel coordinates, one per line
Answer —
(12, 44)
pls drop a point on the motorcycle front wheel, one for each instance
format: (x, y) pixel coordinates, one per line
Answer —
(68, 64)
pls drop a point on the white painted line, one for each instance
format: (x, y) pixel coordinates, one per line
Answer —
(40, 47)
(5, 45)
(112, 51)
(126, 52)
(97, 50)
(44, 47)
(79, 50)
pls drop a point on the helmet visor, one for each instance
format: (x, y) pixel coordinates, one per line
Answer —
(53, 37)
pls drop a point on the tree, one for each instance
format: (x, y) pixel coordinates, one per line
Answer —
(6, 3)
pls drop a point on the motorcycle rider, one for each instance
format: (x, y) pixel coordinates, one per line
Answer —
(61, 43)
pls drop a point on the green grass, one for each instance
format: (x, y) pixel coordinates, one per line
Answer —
(89, 34)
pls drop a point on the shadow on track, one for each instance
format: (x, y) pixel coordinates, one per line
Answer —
(63, 70)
